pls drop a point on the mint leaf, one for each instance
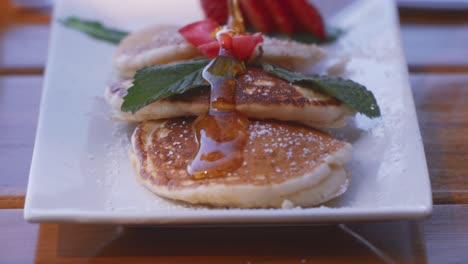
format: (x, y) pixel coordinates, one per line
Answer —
(95, 29)
(349, 92)
(332, 35)
(161, 81)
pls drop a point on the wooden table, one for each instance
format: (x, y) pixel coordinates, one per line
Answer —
(436, 49)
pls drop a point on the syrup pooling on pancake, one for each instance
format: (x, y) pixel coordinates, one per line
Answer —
(222, 133)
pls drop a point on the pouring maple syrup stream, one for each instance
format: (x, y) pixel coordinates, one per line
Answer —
(222, 133)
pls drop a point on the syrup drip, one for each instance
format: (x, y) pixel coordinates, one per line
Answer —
(235, 21)
(222, 133)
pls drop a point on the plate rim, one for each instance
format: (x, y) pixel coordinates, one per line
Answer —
(215, 216)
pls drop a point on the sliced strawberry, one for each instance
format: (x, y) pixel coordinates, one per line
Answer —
(255, 11)
(209, 50)
(238, 46)
(271, 15)
(225, 40)
(199, 33)
(281, 15)
(243, 46)
(308, 17)
(216, 10)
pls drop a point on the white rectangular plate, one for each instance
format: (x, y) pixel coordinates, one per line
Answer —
(80, 171)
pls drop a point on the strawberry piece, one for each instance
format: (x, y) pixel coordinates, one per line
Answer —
(240, 47)
(255, 11)
(243, 46)
(271, 15)
(308, 17)
(280, 13)
(216, 10)
(199, 33)
(209, 50)
(225, 41)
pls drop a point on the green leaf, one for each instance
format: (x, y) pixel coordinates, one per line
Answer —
(332, 35)
(161, 81)
(95, 29)
(349, 92)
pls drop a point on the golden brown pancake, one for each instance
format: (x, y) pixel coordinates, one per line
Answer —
(283, 163)
(258, 95)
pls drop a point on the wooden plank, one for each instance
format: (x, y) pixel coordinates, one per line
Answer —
(426, 16)
(435, 45)
(21, 71)
(443, 117)
(19, 104)
(14, 14)
(451, 69)
(65, 243)
(24, 35)
(446, 234)
(435, 40)
(441, 239)
(24, 46)
(18, 239)
(25, 15)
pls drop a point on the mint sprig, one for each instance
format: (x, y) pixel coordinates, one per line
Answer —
(349, 92)
(161, 81)
(95, 29)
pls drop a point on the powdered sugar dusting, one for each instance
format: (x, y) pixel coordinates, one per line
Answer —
(386, 172)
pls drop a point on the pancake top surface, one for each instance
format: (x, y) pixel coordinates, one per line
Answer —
(154, 37)
(254, 87)
(257, 86)
(274, 153)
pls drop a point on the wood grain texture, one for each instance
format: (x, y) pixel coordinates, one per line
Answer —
(25, 15)
(441, 239)
(443, 117)
(65, 243)
(19, 105)
(435, 40)
(18, 239)
(421, 16)
(435, 45)
(23, 46)
(24, 35)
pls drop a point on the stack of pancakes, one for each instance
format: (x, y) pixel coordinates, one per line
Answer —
(285, 160)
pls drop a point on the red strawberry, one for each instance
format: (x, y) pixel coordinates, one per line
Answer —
(257, 15)
(281, 14)
(308, 17)
(271, 15)
(216, 10)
